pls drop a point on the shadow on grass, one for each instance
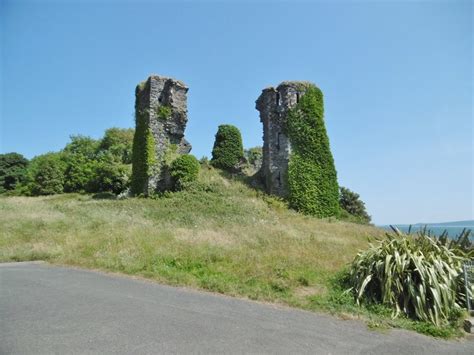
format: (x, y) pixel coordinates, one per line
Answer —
(104, 196)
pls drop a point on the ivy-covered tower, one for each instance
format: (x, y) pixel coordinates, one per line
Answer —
(273, 105)
(297, 159)
(160, 121)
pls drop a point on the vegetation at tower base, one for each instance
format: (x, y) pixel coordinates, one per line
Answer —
(350, 203)
(143, 154)
(184, 170)
(228, 149)
(12, 171)
(109, 176)
(312, 177)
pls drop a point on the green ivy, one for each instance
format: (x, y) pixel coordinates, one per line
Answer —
(312, 176)
(143, 154)
(163, 112)
(228, 149)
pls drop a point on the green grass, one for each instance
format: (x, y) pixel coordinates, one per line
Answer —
(223, 237)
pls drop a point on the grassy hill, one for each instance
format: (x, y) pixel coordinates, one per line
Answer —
(221, 236)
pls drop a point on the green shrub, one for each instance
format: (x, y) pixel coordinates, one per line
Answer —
(46, 174)
(12, 171)
(411, 274)
(312, 177)
(459, 244)
(254, 157)
(228, 149)
(118, 142)
(184, 171)
(78, 172)
(350, 202)
(109, 176)
(80, 155)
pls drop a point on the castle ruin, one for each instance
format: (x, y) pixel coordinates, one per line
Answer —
(274, 104)
(160, 110)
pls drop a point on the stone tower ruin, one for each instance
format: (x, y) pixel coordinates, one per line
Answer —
(161, 117)
(273, 105)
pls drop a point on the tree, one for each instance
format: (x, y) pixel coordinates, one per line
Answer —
(80, 157)
(119, 143)
(79, 171)
(352, 204)
(228, 149)
(12, 170)
(82, 145)
(109, 176)
(46, 174)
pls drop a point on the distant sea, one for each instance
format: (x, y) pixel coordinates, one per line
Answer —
(453, 228)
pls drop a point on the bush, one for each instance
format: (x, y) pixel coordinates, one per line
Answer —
(109, 176)
(350, 202)
(228, 149)
(411, 274)
(254, 157)
(46, 174)
(312, 177)
(80, 156)
(184, 171)
(78, 173)
(118, 142)
(12, 171)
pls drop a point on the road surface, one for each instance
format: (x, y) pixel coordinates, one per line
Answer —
(55, 310)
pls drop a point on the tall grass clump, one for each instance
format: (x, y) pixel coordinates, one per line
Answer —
(411, 274)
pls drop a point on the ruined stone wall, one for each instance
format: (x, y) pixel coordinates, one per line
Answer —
(161, 105)
(273, 105)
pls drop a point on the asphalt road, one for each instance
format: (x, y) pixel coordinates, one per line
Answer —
(53, 310)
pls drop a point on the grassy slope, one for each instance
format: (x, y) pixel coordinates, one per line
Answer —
(227, 238)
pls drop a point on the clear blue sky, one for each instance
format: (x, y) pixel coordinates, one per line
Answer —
(397, 79)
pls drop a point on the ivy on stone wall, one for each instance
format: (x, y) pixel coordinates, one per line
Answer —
(143, 154)
(164, 112)
(312, 176)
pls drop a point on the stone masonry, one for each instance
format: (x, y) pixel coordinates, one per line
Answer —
(273, 105)
(163, 101)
